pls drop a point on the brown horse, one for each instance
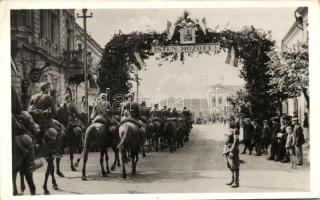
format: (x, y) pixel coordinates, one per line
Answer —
(157, 132)
(130, 141)
(22, 160)
(74, 135)
(100, 134)
(170, 131)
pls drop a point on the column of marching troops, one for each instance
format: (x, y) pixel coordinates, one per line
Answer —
(44, 129)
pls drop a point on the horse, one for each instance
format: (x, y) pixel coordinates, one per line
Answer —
(50, 151)
(99, 133)
(130, 140)
(157, 131)
(23, 160)
(74, 135)
(170, 131)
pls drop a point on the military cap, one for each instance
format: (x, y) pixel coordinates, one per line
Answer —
(44, 85)
(24, 142)
(284, 116)
(231, 117)
(295, 119)
(51, 133)
(67, 96)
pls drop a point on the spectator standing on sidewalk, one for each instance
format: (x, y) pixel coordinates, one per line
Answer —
(290, 147)
(257, 132)
(299, 140)
(266, 136)
(274, 145)
(306, 125)
(247, 136)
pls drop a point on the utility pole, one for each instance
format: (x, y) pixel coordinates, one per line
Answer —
(138, 83)
(85, 16)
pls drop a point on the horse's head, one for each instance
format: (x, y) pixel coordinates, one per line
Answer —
(27, 121)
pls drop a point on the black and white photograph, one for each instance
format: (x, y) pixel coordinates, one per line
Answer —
(159, 100)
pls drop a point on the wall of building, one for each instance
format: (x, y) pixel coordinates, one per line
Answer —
(292, 40)
(96, 54)
(39, 37)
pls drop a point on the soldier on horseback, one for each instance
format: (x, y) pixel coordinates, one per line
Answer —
(102, 113)
(42, 108)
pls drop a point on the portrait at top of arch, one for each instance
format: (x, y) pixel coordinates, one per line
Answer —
(179, 100)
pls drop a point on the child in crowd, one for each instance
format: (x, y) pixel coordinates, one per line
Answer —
(290, 147)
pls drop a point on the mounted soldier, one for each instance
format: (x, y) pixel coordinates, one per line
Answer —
(43, 107)
(130, 112)
(144, 112)
(102, 113)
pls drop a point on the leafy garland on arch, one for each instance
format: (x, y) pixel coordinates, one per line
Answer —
(250, 44)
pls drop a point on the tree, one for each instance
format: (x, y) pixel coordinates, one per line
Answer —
(240, 103)
(289, 73)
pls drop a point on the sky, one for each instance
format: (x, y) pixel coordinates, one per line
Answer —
(196, 73)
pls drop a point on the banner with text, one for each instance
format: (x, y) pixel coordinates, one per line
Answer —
(212, 47)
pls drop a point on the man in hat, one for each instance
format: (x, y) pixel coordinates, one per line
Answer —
(256, 136)
(281, 140)
(72, 114)
(231, 152)
(266, 136)
(144, 112)
(299, 139)
(273, 145)
(43, 107)
(247, 136)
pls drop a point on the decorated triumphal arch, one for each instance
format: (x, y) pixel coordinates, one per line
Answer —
(125, 53)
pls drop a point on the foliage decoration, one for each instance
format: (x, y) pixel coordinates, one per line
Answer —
(289, 73)
(251, 46)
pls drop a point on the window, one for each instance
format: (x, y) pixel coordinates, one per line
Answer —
(285, 106)
(295, 107)
(43, 22)
(13, 18)
(53, 28)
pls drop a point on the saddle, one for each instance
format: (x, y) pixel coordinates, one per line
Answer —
(172, 119)
(144, 119)
(158, 119)
(134, 121)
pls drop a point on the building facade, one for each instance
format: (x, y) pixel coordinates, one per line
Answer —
(95, 52)
(297, 34)
(44, 48)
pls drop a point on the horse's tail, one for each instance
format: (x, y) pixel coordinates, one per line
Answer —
(85, 145)
(122, 133)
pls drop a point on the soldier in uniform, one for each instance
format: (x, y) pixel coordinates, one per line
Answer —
(144, 112)
(257, 132)
(102, 111)
(231, 152)
(43, 107)
(299, 140)
(73, 114)
(274, 144)
(247, 136)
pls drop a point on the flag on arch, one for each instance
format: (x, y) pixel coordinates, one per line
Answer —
(139, 59)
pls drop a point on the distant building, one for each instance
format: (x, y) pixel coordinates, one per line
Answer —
(214, 102)
(297, 34)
